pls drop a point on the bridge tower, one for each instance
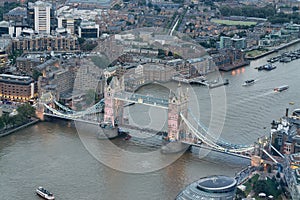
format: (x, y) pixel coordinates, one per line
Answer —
(113, 109)
(178, 103)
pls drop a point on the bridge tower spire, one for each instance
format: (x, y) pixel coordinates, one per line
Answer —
(113, 110)
(178, 103)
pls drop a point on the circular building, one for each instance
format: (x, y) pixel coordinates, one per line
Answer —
(210, 188)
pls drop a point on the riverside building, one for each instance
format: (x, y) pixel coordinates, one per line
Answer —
(210, 188)
(16, 88)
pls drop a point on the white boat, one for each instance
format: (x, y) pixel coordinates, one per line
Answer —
(281, 88)
(249, 82)
(42, 192)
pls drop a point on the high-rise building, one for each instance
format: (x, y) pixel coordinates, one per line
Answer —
(42, 22)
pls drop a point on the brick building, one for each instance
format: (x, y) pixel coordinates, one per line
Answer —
(45, 43)
(16, 88)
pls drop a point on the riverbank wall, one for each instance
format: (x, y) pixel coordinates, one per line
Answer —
(34, 121)
(274, 50)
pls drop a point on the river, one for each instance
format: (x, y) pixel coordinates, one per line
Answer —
(51, 154)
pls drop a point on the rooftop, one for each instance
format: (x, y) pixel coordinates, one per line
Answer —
(17, 12)
(216, 183)
(15, 79)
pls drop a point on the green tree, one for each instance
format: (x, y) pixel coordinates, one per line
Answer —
(260, 186)
(36, 74)
(2, 125)
(269, 169)
(26, 111)
(150, 5)
(239, 195)
(277, 175)
(295, 8)
(5, 118)
(81, 41)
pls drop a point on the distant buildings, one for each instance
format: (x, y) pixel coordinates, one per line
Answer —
(42, 17)
(229, 43)
(88, 30)
(285, 140)
(27, 64)
(5, 50)
(45, 43)
(4, 28)
(227, 59)
(18, 15)
(285, 135)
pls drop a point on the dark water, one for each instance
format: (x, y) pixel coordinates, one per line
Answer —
(52, 155)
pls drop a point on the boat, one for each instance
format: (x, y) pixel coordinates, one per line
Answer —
(292, 103)
(285, 59)
(127, 137)
(267, 67)
(42, 192)
(281, 88)
(249, 82)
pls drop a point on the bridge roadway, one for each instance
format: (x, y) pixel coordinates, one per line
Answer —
(75, 119)
(142, 129)
(142, 99)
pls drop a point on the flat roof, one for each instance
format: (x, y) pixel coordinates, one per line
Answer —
(216, 183)
(8, 78)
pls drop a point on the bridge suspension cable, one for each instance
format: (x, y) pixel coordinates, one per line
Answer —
(218, 141)
(91, 110)
(212, 143)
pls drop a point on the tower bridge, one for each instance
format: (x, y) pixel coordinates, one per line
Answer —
(180, 128)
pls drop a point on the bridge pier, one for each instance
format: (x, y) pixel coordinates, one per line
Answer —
(174, 147)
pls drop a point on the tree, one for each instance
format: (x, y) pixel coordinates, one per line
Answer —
(36, 74)
(26, 110)
(81, 41)
(269, 169)
(239, 195)
(295, 8)
(2, 125)
(150, 5)
(157, 8)
(277, 175)
(5, 118)
(260, 186)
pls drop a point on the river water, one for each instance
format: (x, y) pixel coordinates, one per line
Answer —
(51, 154)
